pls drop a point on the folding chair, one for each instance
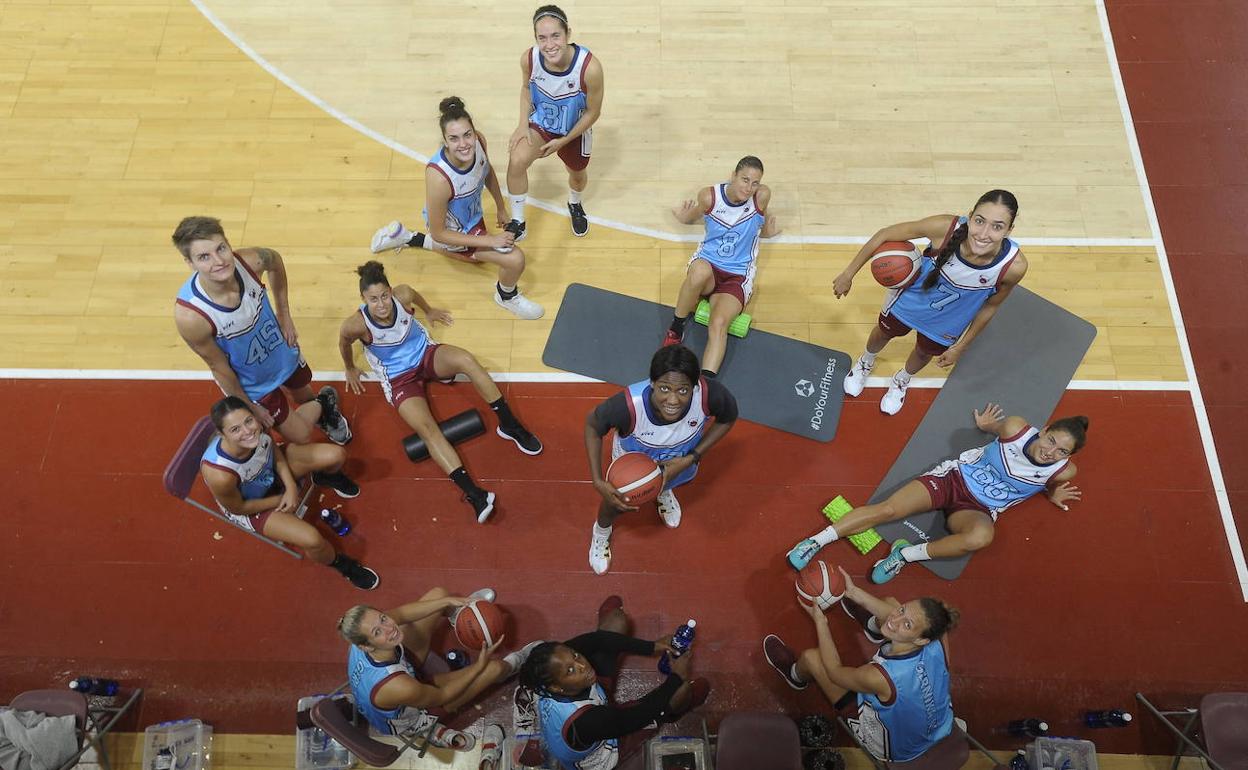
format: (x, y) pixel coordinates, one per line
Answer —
(750, 740)
(183, 469)
(339, 719)
(91, 722)
(950, 753)
(1223, 718)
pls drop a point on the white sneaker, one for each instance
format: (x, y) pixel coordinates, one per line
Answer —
(392, 236)
(482, 594)
(895, 397)
(516, 659)
(523, 307)
(669, 509)
(599, 554)
(856, 380)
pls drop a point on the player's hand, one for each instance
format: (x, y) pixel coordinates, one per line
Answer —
(988, 419)
(289, 333)
(663, 644)
(815, 613)
(949, 357)
(675, 466)
(842, 284)
(683, 666)
(503, 240)
(521, 134)
(770, 227)
(289, 502)
(849, 582)
(1064, 493)
(488, 649)
(500, 215)
(551, 147)
(354, 384)
(437, 315)
(613, 496)
(683, 209)
(262, 415)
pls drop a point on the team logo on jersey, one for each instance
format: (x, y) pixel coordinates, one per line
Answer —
(983, 280)
(804, 388)
(253, 293)
(693, 423)
(571, 84)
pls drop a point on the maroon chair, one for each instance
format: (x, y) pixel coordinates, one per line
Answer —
(950, 753)
(91, 723)
(750, 740)
(1224, 721)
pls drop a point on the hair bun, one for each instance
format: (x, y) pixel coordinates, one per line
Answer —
(449, 104)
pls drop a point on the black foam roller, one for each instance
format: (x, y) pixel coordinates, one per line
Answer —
(460, 427)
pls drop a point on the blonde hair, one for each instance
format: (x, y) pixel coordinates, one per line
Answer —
(349, 624)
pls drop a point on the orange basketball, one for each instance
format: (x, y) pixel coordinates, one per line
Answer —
(636, 476)
(820, 584)
(479, 623)
(894, 263)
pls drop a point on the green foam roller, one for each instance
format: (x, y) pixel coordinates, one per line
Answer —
(739, 326)
(864, 541)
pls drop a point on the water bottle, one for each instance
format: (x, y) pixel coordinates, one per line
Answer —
(1109, 718)
(164, 760)
(335, 521)
(682, 640)
(1028, 728)
(457, 659)
(90, 685)
(342, 757)
(1019, 761)
(320, 750)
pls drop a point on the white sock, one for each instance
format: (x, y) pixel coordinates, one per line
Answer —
(431, 244)
(825, 536)
(915, 553)
(867, 358)
(517, 206)
(873, 625)
(574, 196)
(794, 675)
(902, 378)
(603, 533)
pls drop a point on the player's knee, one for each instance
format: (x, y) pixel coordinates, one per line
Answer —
(979, 537)
(810, 661)
(699, 271)
(306, 536)
(615, 621)
(333, 456)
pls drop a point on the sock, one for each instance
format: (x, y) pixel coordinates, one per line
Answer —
(506, 419)
(517, 206)
(678, 324)
(902, 378)
(915, 553)
(867, 358)
(340, 563)
(873, 626)
(506, 292)
(418, 240)
(708, 374)
(825, 536)
(574, 196)
(464, 481)
(602, 532)
(794, 675)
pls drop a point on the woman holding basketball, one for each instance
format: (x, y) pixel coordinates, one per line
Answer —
(386, 660)
(957, 290)
(455, 177)
(903, 692)
(400, 351)
(972, 490)
(560, 100)
(666, 417)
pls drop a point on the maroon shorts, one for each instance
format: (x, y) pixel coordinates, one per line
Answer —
(574, 154)
(257, 521)
(729, 283)
(893, 327)
(276, 402)
(412, 382)
(948, 491)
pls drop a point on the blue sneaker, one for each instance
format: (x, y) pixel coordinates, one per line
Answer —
(887, 568)
(803, 552)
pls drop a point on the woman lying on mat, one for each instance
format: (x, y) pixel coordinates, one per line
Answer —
(903, 692)
(957, 290)
(388, 651)
(972, 490)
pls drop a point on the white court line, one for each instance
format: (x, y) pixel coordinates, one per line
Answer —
(1198, 400)
(560, 208)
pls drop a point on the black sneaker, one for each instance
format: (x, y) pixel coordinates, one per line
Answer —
(516, 228)
(360, 576)
(580, 222)
(527, 442)
(332, 422)
(863, 617)
(482, 503)
(339, 482)
(782, 659)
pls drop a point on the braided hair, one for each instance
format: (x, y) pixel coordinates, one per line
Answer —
(941, 618)
(536, 673)
(954, 242)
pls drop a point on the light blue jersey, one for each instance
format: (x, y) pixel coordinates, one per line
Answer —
(555, 713)
(943, 312)
(463, 210)
(732, 233)
(919, 713)
(664, 441)
(256, 473)
(367, 676)
(394, 349)
(559, 98)
(1001, 475)
(248, 334)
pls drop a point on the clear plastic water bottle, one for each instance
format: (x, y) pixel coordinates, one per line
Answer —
(682, 640)
(321, 751)
(90, 685)
(457, 659)
(164, 759)
(1108, 718)
(1019, 761)
(1028, 728)
(342, 757)
(335, 521)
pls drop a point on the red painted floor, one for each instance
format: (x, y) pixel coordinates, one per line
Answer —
(107, 574)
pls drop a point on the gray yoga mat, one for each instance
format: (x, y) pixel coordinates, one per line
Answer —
(780, 382)
(1023, 360)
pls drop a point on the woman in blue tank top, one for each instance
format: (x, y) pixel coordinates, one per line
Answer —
(902, 693)
(966, 273)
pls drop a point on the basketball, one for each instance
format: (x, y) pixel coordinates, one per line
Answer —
(820, 584)
(479, 623)
(636, 476)
(894, 263)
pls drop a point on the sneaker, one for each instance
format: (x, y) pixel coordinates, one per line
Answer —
(863, 618)
(580, 223)
(516, 228)
(526, 746)
(492, 743)
(516, 659)
(887, 568)
(782, 659)
(895, 397)
(482, 503)
(856, 380)
(671, 338)
(669, 508)
(444, 737)
(803, 552)
(599, 554)
(520, 306)
(339, 482)
(526, 442)
(482, 595)
(332, 421)
(392, 236)
(360, 576)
